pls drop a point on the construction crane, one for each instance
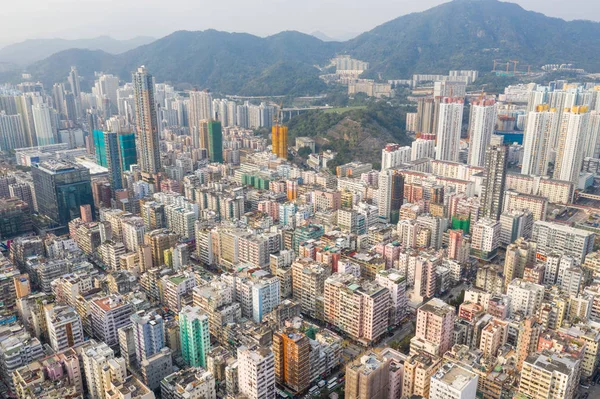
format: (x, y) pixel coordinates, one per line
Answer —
(507, 67)
(482, 94)
(515, 62)
(276, 118)
(496, 62)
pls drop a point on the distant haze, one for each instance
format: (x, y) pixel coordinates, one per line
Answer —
(125, 19)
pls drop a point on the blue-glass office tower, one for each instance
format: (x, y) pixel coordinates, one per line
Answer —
(117, 152)
(61, 187)
(100, 146)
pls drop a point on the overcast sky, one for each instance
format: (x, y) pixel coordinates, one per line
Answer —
(123, 19)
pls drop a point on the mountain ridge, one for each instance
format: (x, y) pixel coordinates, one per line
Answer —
(461, 34)
(32, 50)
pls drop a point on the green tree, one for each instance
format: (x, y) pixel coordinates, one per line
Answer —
(456, 302)
(304, 152)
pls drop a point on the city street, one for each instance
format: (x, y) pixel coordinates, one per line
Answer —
(406, 329)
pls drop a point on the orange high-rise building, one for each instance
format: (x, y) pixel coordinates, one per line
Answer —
(292, 365)
(280, 140)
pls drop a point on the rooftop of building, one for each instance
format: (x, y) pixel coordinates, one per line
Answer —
(110, 302)
(57, 166)
(193, 312)
(14, 203)
(437, 307)
(367, 363)
(178, 279)
(60, 314)
(552, 362)
(131, 388)
(187, 379)
(454, 376)
(392, 275)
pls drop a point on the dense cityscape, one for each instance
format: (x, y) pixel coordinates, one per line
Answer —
(181, 243)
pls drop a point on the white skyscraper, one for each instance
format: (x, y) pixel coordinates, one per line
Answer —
(200, 107)
(64, 327)
(541, 124)
(95, 356)
(256, 372)
(481, 127)
(525, 297)
(592, 142)
(12, 134)
(422, 148)
(147, 137)
(43, 124)
(107, 86)
(571, 139)
(449, 128)
(393, 155)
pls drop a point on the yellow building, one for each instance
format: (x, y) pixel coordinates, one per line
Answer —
(280, 140)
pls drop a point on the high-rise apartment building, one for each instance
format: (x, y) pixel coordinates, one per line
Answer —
(421, 148)
(256, 372)
(291, 350)
(525, 297)
(200, 109)
(485, 239)
(452, 381)
(160, 240)
(95, 356)
(549, 376)
(538, 137)
(308, 279)
(64, 327)
(391, 195)
(562, 238)
(449, 128)
(426, 112)
(483, 115)
(12, 134)
(395, 282)
(496, 161)
(194, 335)
(108, 314)
(146, 121)
(44, 125)
(393, 155)
(571, 139)
(360, 309)
(435, 321)
(418, 370)
(175, 287)
(134, 231)
(61, 188)
(148, 334)
(368, 377)
(74, 82)
(519, 255)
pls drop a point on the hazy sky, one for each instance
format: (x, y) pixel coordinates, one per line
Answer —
(23, 19)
